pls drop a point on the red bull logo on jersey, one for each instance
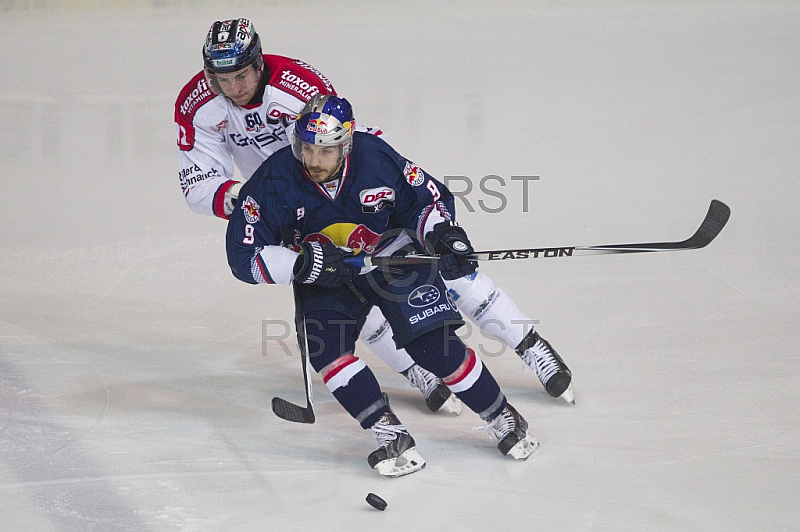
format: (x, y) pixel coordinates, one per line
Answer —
(356, 237)
(413, 174)
(375, 199)
(250, 208)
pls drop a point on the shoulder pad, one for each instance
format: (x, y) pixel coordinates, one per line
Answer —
(193, 95)
(297, 78)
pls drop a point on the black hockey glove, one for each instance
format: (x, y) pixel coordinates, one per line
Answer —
(322, 264)
(451, 242)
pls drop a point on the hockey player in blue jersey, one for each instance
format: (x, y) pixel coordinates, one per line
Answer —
(335, 193)
(240, 109)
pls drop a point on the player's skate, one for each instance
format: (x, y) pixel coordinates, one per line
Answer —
(437, 395)
(511, 432)
(396, 454)
(554, 374)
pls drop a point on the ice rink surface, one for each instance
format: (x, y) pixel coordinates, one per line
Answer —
(134, 383)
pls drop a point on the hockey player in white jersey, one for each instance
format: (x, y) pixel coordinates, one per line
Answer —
(239, 110)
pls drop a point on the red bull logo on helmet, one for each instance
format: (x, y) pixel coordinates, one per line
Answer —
(356, 237)
(317, 125)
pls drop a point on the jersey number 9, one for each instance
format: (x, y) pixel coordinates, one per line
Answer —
(434, 190)
(249, 235)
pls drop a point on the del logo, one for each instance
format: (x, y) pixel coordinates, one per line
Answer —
(413, 174)
(423, 296)
(374, 199)
(250, 208)
(277, 113)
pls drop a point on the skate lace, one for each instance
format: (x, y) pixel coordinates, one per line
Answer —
(423, 379)
(499, 427)
(542, 360)
(385, 432)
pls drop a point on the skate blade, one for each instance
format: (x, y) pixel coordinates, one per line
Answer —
(569, 395)
(453, 405)
(405, 464)
(524, 448)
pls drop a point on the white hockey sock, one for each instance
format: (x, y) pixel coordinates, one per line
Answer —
(489, 307)
(377, 336)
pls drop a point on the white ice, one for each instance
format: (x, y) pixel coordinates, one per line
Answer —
(134, 390)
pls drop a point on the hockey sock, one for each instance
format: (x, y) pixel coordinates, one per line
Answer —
(490, 307)
(460, 369)
(354, 385)
(377, 336)
(348, 378)
(476, 387)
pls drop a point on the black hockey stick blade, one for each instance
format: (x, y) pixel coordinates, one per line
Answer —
(281, 407)
(292, 412)
(716, 218)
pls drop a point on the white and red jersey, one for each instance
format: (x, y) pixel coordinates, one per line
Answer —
(214, 133)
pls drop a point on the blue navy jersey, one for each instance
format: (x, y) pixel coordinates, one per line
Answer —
(383, 202)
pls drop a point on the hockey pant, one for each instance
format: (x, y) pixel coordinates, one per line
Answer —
(477, 297)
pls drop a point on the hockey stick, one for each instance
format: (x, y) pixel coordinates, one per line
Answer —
(715, 220)
(281, 407)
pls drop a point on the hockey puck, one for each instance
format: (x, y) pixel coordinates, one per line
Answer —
(376, 502)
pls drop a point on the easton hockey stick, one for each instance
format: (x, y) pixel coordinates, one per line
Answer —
(716, 218)
(281, 407)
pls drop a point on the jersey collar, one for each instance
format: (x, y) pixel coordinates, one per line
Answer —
(321, 189)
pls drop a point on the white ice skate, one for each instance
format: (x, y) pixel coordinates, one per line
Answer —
(396, 454)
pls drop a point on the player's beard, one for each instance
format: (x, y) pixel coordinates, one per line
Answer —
(321, 175)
